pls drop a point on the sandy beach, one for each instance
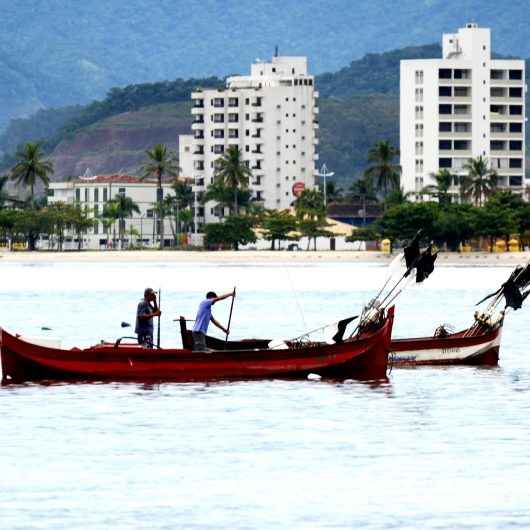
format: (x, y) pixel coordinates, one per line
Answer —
(444, 258)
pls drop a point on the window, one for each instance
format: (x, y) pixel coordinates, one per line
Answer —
(444, 73)
(418, 74)
(419, 130)
(497, 74)
(516, 92)
(461, 91)
(233, 133)
(86, 194)
(218, 102)
(516, 162)
(497, 145)
(461, 74)
(105, 195)
(419, 148)
(218, 149)
(445, 145)
(418, 95)
(78, 195)
(497, 92)
(418, 163)
(515, 75)
(233, 102)
(444, 162)
(96, 227)
(218, 133)
(444, 109)
(516, 127)
(419, 112)
(218, 118)
(121, 191)
(445, 91)
(462, 127)
(233, 117)
(498, 127)
(461, 145)
(516, 110)
(247, 101)
(516, 145)
(445, 126)
(96, 195)
(516, 180)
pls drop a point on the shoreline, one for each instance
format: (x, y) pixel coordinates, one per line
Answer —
(506, 259)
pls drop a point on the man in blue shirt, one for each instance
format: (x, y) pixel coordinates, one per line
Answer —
(203, 319)
(146, 311)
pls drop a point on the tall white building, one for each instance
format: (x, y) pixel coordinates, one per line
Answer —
(462, 106)
(272, 116)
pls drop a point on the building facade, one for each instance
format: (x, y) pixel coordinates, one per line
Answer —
(459, 107)
(272, 116)
(92, 193)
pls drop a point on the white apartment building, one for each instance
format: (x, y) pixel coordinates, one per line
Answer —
(462, 106)
(272, 116)
(94, 192)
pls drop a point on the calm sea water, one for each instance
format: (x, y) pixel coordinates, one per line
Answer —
(432, 448)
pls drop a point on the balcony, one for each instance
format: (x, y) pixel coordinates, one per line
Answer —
(257, 150)
(258, 118)
(198, 103)
(199, 150)
(198, 118)
(257, 165)
(199, 134)
(256, 102)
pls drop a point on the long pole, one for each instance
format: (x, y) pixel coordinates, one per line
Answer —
(158, 330)
(230, 316)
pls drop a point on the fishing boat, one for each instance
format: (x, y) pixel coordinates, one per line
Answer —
(477, 345)
(363, 356)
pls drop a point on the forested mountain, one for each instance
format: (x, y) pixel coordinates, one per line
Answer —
(359, 105)
(55, 53)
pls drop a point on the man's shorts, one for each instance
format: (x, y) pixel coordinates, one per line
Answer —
(199, 341)
(145, 340)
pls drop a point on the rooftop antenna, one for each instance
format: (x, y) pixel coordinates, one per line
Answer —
(276, 51)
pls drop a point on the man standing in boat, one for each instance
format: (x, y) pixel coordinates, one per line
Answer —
(147, 310)
(203, 319)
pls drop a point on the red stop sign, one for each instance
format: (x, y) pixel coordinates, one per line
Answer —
(298, 188)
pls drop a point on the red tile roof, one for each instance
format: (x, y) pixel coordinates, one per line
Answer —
(121, 179)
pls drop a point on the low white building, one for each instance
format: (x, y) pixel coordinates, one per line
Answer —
(94, 192)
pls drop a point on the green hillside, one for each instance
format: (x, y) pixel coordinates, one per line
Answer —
(359, 105)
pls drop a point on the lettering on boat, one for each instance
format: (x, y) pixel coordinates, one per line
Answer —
(450, 350)
(404, 358)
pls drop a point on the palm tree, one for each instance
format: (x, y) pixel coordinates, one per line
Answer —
(232, 172)
(383, 171)
(363, 189)
(161, 163)
(480, 182)
(109, 216)
(31, 167)
(125, 207)
(444, 179)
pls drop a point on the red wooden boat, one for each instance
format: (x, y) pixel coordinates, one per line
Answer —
(363, 356)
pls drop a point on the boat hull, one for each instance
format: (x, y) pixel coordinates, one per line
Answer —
(459, 348)
(364, 357)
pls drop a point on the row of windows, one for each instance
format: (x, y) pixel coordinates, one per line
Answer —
(502, 145)
(457, 91)
(446, 108)
(96, 196)
(457, 145)
(496, 163)
(457, 127)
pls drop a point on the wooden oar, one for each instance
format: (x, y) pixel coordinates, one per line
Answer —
(158, 331)
(230, 316)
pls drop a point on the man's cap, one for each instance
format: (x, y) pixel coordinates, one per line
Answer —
(211, 294)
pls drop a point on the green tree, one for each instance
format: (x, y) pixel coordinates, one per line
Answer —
(233, 172)
(455, 225)
(440, 190)
(403, 221)
(480, 181)
(31, 168)
(3, 194)
(109, 216)
(493, 221)
(363, 190)
(223, 195)
(235, 230)
(310, 205)
(397, 197)
(383, 171)
(333, 192)
(161, 163)
(124, 207)
(276, 225)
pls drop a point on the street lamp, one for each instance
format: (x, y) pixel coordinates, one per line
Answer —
(324, 173)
